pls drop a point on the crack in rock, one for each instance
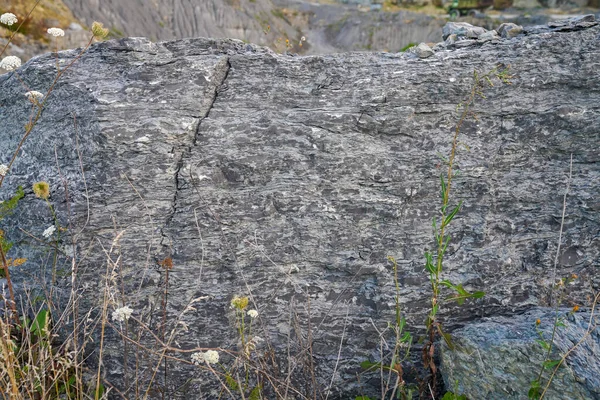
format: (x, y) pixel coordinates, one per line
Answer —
(216, 85)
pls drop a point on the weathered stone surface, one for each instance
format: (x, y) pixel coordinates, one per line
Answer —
(244, 166)
(422, 50)
(509, 30)
(565, 25)
(462, 30)
(489, 35)
(499, 357)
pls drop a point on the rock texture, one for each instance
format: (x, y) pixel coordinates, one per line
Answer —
(496, 358)
(293, 178)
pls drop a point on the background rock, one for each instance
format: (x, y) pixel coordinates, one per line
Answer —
(496, 358)
(293, 178)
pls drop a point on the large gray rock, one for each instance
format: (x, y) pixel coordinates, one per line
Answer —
(295, 177)
(462, 30)
(498, 358)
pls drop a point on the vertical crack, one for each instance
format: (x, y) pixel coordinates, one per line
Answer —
(216, 85)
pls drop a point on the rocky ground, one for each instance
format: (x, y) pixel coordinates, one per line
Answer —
(327, 26)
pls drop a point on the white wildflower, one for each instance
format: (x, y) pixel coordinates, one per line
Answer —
(56, 32)
(198, 358)
(253, 313)
(10, 63)
(8, 19)
(122, 314)
(33, 96)
(302, 39)
(49, 231)
(211, 357)
(3, 169)
(69, 250)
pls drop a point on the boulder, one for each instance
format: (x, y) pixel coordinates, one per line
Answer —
(509, 30)
(462, 30)
(422, 50)
(498, 358)
(225, 169)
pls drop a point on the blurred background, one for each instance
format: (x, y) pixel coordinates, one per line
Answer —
(327, 26)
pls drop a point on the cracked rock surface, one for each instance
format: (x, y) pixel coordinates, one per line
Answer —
(295, 177)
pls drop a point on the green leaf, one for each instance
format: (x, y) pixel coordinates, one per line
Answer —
(362, 398)
(450, 216)
(429, 263)
(548, 364)
(447, 283)
(100, 390)
(534, 392)
(407, 337)
(371, 366)
(368, 365)
(446, 244)
(402, 324)
(544, 344)
(478, 295)
(255, 394)
(233, 385)
(453, 396)
(9, 205)
(39, 327)
(443, 187)
(447, 338)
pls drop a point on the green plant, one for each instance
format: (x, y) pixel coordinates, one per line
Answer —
(400, 353)
(440, 224)
(408, 46)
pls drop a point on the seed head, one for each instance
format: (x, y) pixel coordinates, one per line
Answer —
(99, 31)
(34, 96)
(41, 190)
(3, 169)
(239, 302)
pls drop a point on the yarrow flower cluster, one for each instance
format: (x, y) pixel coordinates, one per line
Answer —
(8, 19)
(122, 314)
(210, 357)
(3, 169)
(239, 302)
(49, 231)
(252, 313)
(33, 96)
(10, 63)
(56, 32)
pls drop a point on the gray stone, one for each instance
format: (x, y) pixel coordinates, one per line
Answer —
(74, 26)
(489, 35)
(462, 30)
(451, 39)
(439, 46)
(242, 165)
(509, 30)
(583, 21)
(422, 50)
(498, 358)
